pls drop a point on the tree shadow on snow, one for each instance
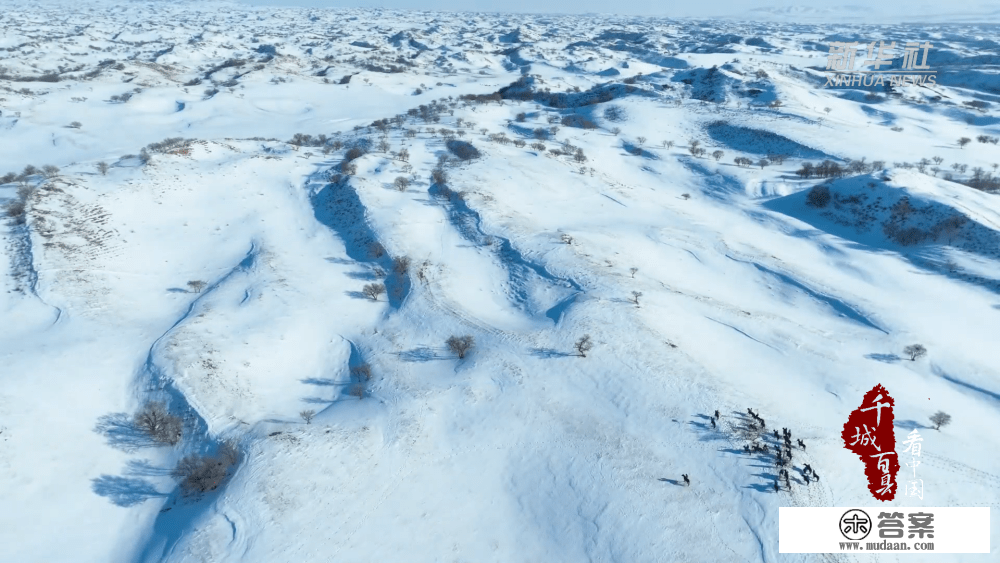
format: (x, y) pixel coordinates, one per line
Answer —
(367, 276)
(423, 354)
(122, 434)
(551, 353)
(125, 491)
(144, 468)
(318, 381)
(886, 358)
(909, 424)
(672, 481)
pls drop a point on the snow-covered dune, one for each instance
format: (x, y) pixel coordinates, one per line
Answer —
(271, 222)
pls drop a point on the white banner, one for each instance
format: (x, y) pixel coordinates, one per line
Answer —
(883, 529)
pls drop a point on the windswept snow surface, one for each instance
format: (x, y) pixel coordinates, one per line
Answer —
(522, 451)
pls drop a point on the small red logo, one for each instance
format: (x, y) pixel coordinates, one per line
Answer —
(868, 433)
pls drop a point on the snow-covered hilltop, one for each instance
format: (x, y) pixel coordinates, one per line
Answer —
(238, 240)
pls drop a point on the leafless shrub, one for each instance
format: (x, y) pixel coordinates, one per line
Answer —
(373, 290)
(616, 131)
(401, 264)
(196, 285)
(401, 183)
(358, 390)
(460, 344)
(964, 141)
(16, 210)
(465, 150)
(103, 168)
(939, 419)
(576, 120)
(615, 113)
(376, 250)
(439, 177)
(635, 297)
(362, 372)
(717, 155)
(75, 125)
(307, 415)
(583, 345)
(915, 351)
(154, 420)
(200, 474)
(819, 197)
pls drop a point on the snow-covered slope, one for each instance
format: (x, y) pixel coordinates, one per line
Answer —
(223, 271)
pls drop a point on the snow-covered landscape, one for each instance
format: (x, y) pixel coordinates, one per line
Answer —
(303, 284)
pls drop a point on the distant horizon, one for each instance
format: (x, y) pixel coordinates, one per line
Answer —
(771, 10)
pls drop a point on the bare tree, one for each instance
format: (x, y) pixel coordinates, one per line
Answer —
(358, 390)
(616, 131)
(439, 177)
(103, 168)
(694, 148)
(363, 372)
(401, 265)
(200, 474)
(762, 163)
(915, 351)
(75, 125)
(373, 290)
(460, 344)
(158, 423)
(196, 285)
(635, 297)
(376, 250)
(717, 155)
(583, 345)
(401, 183)
(939, 419)
(50, 171)
(668, 144)
(964, 141)
(308, 415)
(633, 270)
(641, 140)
